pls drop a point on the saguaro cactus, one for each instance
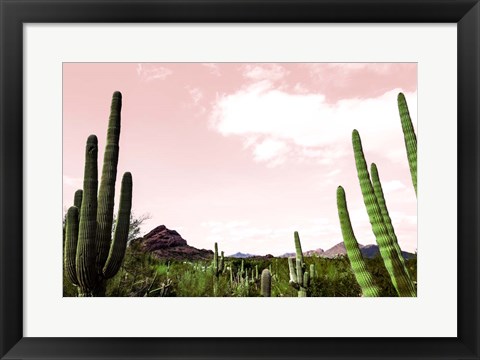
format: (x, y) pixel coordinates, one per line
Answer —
(398, 273)
(364, 278)
(217, 268)
(91, 255)
(299, 278)
(266, 283)
(409, 136)
(218, 264)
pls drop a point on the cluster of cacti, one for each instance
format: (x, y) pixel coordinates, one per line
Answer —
(379, 217)
(299, 276)
(91, 256)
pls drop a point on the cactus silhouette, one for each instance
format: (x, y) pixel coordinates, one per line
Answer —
(266, 283)
(299, 278)
(409, 137)
(91, 256)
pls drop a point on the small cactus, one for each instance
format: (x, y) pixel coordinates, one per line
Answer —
(266, 283)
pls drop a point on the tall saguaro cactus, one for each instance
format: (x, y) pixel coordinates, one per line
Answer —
(398, 273)
(91, 255)
(299, 277)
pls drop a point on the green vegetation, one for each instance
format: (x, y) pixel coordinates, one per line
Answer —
(143, 275)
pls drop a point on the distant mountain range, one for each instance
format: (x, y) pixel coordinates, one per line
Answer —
(169, 244)
(368, 251)
(240, 255)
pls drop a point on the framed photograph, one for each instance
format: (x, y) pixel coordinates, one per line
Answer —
(238, 179)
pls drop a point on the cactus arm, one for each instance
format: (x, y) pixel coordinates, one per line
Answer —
(409, 137)
(377, 187)
(306, 279)
(298, 247)
(222, 262)
(293, 274)
(364, 278)
(77, 199)
(120, 237)
(395, 269)
(299, 271)
(313, 273)
(106, 193)
(266, 283)
(71, 240)
(85, 258)
(215, 260)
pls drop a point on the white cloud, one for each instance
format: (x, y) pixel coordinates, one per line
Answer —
(148, 72)
(391, 186)
(305, 121)
(271, 72)
(269, 149)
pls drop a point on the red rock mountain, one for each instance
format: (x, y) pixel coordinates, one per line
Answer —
(169, 244)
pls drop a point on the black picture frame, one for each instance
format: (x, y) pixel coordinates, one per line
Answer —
(15, 13)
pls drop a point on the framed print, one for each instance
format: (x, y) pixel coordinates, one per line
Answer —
(261, 199)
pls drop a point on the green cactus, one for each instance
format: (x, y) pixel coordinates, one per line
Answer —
(313, 272)
(364, 278)
(70, 249)
(218, 267)
(377, 187)
(299, 278)
(398, 273)
(381, 226)
(218, 263)
(266, 283)
(409, 137)
(91, 256)
(77, 199)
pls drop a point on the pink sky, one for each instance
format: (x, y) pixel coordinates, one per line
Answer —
(244, 154)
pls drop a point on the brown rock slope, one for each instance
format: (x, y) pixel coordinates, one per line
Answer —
(169, 244)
